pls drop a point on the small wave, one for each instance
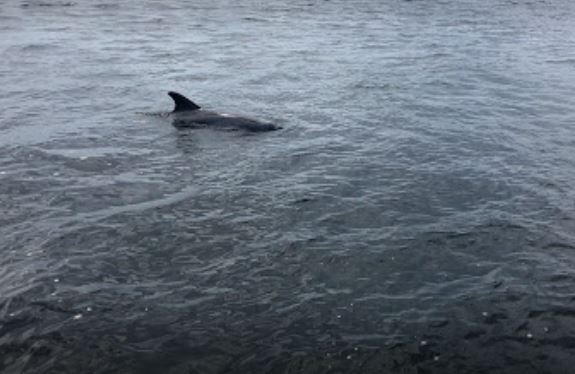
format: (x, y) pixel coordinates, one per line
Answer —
(567, 61)
(48, 4)
(155, 114)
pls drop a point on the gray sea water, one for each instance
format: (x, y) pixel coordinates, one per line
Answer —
(415, 215)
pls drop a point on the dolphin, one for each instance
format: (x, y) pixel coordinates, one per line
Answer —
(186, 113)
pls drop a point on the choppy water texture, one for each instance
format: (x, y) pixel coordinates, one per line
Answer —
(415, 215)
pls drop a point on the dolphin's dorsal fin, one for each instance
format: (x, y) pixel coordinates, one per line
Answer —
(182, 102)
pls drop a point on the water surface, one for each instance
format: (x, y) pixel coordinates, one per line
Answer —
(415, 215)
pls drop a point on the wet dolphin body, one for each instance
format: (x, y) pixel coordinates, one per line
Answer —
(188, 114)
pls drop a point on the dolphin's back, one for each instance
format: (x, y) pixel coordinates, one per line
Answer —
(188, 114)
(204, 118)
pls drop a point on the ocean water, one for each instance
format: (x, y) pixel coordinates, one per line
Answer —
(415, 215)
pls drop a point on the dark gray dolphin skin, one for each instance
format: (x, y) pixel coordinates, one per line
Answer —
(188, 114)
